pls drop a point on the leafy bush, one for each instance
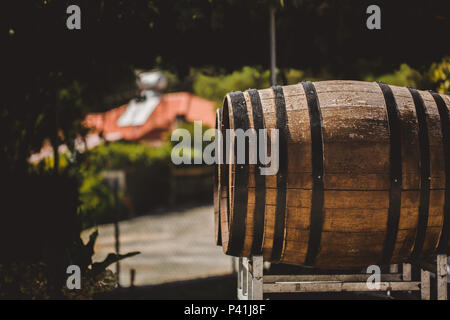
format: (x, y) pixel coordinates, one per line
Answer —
(213, 86)
(439, 75)
(189, 126)
(147, 172)
(120, 155)
(403, 77)
(216, 87)
(293, 76)
(97, 202)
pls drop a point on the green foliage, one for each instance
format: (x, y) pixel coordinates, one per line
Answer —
(120, 155)
(436, 78)
(294, 76)
(52, 111)
(440, 75)
(403, 77)
(97, 203)
(189, 126)
(147, 171)
(216, 87)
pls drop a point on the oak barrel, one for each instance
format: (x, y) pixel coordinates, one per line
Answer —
(363, 178)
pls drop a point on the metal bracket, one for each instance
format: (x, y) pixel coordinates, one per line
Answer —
(252, 284)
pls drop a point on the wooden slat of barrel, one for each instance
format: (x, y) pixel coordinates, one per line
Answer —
(437, 173)
(224, 213)
(356, 152)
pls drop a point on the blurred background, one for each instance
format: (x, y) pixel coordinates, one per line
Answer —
(86, 117)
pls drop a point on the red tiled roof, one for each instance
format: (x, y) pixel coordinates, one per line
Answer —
(185, 104)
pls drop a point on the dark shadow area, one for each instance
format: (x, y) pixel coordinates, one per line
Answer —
(224, 288)
(212, 288)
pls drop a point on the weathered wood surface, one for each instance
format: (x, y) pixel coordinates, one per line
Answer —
(326, 277)
(339, 286)
(442, 277)
(357, 181)
(425, 289)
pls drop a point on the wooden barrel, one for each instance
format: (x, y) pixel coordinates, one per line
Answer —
(363, 178)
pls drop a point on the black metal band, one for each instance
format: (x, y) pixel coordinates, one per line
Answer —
(395, 155)
(216, 174)
(424, 146)
(216, 188)
(219, 230)
(260, 180)
(239, 218)
(445, 126)
(317, 212)
(224, 172)
(280, 211)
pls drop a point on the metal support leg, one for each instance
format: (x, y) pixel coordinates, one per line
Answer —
(252, 284)
(245, 277)
(441, 277)
(249, 280)
(239, 274)
(240, 284)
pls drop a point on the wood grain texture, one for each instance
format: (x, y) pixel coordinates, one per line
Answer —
(356, 147)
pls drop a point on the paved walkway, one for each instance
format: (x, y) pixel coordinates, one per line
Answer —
(174, 246)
